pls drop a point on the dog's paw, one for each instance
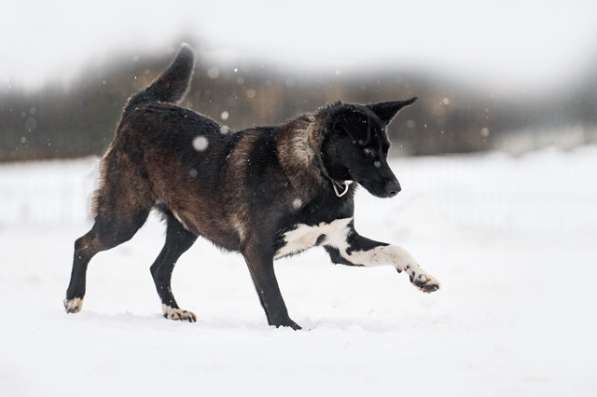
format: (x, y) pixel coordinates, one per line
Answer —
(73, 305)
(172, 313)
(425, 282)
(287, 323)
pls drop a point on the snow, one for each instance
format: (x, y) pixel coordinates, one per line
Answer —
(511, 240)
(251, 93)
(297, 203)
(200, 143)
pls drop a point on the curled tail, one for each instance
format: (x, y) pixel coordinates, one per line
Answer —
(172, 84)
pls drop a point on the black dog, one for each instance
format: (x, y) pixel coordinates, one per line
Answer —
(266, 192)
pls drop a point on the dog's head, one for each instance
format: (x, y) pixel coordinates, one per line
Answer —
(356, 145)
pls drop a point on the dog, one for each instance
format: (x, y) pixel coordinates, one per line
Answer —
(266, 192)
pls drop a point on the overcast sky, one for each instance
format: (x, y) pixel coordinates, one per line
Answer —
(529, 44)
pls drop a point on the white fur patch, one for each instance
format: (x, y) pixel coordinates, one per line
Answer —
(238, 226)
(179, 219)
(384, 255)
(335, 234)
(73, 305)
(303, 236)
(396, 256)
(172, 313)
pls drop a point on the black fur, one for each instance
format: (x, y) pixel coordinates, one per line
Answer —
(243, 192)
(172, 84)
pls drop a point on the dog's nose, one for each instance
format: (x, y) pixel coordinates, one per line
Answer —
(392, 188)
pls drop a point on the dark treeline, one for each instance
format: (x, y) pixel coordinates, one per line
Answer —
(59, 122)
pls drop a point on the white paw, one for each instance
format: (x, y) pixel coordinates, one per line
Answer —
(73, 305)
(424, 282)
(172, 313)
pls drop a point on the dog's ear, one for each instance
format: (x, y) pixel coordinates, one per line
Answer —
(387, 110)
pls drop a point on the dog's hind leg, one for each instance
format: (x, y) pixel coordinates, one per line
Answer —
(105, 234)
(178, 240)
(121, 204)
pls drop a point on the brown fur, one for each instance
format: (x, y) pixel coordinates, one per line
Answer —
(240, 192)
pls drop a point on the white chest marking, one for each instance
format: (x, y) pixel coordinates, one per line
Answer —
(303, 236)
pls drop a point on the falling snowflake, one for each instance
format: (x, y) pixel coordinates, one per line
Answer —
(200, 143)
(224, 129)
(484, 132)
(224, 115)
(213, 72)
(297, 203)
(30, 124)
(377, 164)
(446, 101)
(193, 173)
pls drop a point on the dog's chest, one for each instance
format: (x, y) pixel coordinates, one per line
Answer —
(303, 236)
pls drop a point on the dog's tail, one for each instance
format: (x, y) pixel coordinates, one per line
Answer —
(172, 84)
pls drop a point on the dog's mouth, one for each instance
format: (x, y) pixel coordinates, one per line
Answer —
(385, 188)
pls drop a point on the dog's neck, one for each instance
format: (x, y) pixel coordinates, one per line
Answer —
(298, 145)
(299, 141)
(303, 155)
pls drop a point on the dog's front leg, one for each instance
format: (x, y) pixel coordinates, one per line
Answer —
(355, 250)
(261, 266)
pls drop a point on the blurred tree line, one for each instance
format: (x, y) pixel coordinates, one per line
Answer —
(78, 120)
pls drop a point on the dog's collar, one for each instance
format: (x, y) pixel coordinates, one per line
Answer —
(340, 187)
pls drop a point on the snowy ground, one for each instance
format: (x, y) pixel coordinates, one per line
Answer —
(513, 242)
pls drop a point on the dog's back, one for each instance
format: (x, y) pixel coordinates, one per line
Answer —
(171, 158)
